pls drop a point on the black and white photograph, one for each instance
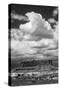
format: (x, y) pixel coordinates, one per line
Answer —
(33, 44)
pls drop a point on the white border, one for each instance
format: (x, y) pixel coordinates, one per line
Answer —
(4, 43)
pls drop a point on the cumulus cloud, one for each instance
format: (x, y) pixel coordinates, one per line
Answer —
(51, 52)
(19, 17)
(35, 36)
(50, 43)
(23, 47)
(16, 34)
(51, 20)
(33, 47)
(36, 26)
(55, 12)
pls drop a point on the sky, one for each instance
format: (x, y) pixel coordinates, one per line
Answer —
(33, 34)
